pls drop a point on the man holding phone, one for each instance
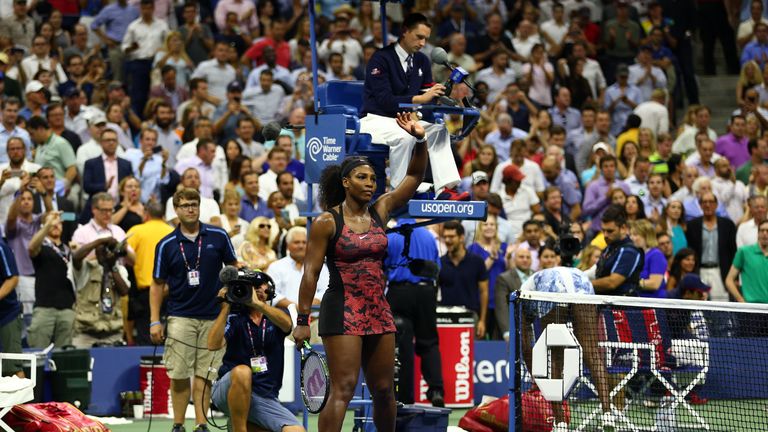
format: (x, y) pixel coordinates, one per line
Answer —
(229, 112)
(149, 165)
(47, 179)
(17, 168)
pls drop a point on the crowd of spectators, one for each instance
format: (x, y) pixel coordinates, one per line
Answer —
(109, 107)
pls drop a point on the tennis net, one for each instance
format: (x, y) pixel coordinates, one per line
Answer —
(588, 363)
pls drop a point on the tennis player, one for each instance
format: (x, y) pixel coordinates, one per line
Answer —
(251, 373)
(566, 280)
(356, 322)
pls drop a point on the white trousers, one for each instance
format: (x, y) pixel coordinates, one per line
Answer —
(384, 130)
(712, 277)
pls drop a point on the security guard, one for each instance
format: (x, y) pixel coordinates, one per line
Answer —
(400, 73)
(413, 299)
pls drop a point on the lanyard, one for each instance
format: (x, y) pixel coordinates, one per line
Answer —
(199, 248)
(263, 334)
(62, 252)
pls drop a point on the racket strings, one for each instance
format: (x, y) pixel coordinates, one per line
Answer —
(314, 383)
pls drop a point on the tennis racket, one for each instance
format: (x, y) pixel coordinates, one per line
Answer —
(315, 379)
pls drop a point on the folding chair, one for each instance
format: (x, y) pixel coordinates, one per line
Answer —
(14, 390)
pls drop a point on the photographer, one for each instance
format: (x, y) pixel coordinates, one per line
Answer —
(252, 371)
(98, 317)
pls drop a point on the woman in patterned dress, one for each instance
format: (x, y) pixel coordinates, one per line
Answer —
(356, 322)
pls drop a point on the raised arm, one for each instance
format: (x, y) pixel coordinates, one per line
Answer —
(416, 168)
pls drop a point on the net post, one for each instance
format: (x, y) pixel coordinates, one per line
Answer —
(514, 369)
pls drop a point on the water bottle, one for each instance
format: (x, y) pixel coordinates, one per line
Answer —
(665, 415)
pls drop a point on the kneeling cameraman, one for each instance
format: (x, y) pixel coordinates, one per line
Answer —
(252, 369)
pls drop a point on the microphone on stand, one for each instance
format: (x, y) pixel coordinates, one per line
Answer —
(458, 75)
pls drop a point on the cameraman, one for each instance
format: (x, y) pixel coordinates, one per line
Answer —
(93, 324)
(252, 368)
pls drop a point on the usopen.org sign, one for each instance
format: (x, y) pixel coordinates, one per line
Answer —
(325, 144)
(465, 210)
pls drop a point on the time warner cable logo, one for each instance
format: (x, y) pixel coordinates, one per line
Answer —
(327, 146)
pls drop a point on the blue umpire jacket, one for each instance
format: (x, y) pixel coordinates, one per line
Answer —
(386, 84)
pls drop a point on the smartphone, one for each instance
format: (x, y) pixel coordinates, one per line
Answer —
(17, 173)
(67, 216)
(157, 149)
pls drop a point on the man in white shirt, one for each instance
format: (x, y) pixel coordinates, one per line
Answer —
(746, 234)
(498, 75)
(520, 202)
(217, 71)
(264, 99)
(287, 272)
(341, 41)
(143, 39)
(518, 155)
(278, 161)
(638, 181)
(41, 59)
(75, 112)
(8, 128)
(203, 130)
(746, 32)
(645, 75)
(17, 168)
(553, 31)
(203, 162)
(686, 141)
(653, 113)
(526, 38)
(198, 95)
(245, 130)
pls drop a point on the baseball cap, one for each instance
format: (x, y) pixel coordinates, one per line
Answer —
(479, 176)
(692, 282)
(33, 86)
(235, 87)
(71, 92)
(622, 70)
(601, 146)
(512, 173)
(115, 85)
(4, 58)
(96, 117)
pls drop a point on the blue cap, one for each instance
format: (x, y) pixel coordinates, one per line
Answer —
(692, 282)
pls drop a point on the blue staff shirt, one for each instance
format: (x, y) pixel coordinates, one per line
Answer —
(265, 338)
(185, 300)
(10, 308)
(422, 246)
(623, 258)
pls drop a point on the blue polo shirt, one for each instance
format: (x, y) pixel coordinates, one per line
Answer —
(622, 258)
(10, 308)
(459, 283)
(246, 339)
(422, 246)
(249, 212)
(185, 300)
